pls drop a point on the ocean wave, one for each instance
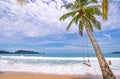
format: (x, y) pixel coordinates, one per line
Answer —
(56, 58)
(73, 69)
(56, 65)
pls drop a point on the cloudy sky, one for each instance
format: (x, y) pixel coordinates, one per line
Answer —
(36, 26)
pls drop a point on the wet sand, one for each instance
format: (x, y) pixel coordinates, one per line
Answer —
(17, 75)
(23, 75)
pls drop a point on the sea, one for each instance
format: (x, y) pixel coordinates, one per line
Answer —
(57, 63)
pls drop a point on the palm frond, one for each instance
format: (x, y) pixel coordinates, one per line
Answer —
(73, 20)
(69, 6)
(105, 9)
(97, 25)
(93, 1)
(80, 28)
(94, 10)
(87, 2)
(89, 25)
(77, 19)
(82, 3)
(63, 17)
(95, 22)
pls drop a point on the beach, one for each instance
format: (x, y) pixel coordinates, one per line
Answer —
(18, 75)
(26, 75)
(48, 67)
(59, 39)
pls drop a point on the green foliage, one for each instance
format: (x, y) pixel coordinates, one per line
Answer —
(95, 22)
(67, 15)
(105, 9)
(77, 19)
(94, 10)
(68, 6)
(80, 28)
(83, 13)
(94, 1)
(73, 19)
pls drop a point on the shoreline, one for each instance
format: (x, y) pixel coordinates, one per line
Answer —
(31, 75)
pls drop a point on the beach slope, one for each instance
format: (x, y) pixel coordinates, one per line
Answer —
(4, 75)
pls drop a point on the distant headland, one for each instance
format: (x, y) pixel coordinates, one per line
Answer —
(115, 53)
(20, 52)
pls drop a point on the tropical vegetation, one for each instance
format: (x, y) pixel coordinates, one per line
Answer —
(83, 14)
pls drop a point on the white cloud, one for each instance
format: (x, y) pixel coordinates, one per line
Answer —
(32, 20)
(41, 19)
(64, 48)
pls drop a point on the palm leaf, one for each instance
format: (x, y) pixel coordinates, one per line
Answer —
(105, 9)
(73, 20)
(68, 6)
(94, 1)
(77, 19)
(63, 17)
(94, 9)
(89, 25)
(80, 28)
(95, 23)
(87, 2)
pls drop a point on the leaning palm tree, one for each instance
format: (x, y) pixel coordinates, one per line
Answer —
(83, 14)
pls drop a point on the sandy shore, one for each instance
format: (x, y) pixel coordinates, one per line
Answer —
(21, 75)
(11, 75)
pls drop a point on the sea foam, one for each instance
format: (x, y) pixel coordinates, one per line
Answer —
(56, 65)
(56, 58)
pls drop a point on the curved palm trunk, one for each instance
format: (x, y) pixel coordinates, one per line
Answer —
(106, 71)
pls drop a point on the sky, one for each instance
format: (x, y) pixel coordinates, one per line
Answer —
(35, 26)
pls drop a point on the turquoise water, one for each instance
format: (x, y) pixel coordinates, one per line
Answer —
(63, 55)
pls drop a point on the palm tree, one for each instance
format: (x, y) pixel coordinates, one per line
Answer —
(83, 15)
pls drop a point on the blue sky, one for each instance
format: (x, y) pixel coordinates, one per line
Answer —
(36, 26)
